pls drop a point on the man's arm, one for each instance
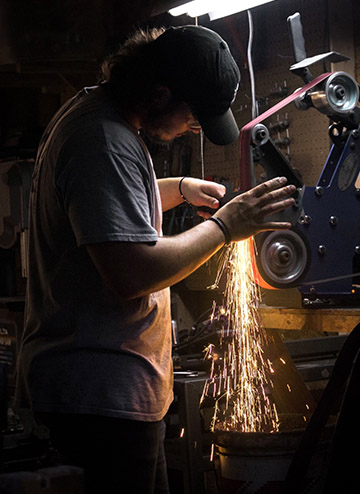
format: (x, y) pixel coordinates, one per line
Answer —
(135, 269)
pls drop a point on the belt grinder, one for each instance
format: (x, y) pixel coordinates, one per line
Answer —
(320, 254)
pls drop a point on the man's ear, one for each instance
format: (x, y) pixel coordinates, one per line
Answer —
(162, 96)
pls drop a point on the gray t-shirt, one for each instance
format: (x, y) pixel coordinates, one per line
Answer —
(85, 350)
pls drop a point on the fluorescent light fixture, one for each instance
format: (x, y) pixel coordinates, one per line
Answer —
(215, 8)
(194, 8)
(233, 6)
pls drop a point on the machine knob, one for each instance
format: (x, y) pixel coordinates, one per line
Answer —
(282, 259)
(260, 134)
(280, 254)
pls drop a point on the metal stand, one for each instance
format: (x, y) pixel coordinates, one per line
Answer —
(341, 473)
(186, 452)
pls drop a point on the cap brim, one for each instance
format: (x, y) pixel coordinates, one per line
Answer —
(221, 129)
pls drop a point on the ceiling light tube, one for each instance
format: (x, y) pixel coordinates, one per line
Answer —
(215, 8)
(195, 8)
(234, 6)
(180, 10)
(201, 7)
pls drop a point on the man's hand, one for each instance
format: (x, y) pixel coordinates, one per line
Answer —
(197, 192)
(246, 214)
(202, 193)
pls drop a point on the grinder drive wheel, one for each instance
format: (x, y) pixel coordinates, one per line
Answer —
(282, 258)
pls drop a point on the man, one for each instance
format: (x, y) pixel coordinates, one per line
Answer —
(95, 358)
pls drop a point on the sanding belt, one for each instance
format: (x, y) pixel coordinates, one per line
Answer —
(245, 133)
(245, 141)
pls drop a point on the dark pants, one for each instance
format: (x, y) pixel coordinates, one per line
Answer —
(117, 455)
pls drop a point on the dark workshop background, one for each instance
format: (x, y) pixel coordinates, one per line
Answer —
(51, 49)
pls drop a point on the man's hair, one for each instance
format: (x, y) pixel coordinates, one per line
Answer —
(132, 47)
(127, 72)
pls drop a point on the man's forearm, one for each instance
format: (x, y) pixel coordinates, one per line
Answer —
(169, 192)
(134, 270)
(174, 258)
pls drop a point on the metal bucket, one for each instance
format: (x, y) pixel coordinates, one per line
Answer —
(258, 462)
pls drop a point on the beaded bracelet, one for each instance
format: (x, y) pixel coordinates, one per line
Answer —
(180, 191)
(223, 228)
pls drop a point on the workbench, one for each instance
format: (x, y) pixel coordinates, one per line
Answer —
(327, 320)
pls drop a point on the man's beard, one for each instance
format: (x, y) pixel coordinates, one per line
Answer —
(157, 123)
(153, 136)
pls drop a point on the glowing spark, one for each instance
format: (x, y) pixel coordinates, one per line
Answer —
(182, 432)
(212, 452)
(240, 376)
(283, 361)
(271, 369)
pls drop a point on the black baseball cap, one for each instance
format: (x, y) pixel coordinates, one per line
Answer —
(197, 66)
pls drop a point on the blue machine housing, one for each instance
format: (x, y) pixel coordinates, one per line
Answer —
(331, 225)
(320, 255)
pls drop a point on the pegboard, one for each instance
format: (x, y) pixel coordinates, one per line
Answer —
(272, 57)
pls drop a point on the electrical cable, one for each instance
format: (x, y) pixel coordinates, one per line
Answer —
(326, 40)
(254, 107)
(202, 158)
